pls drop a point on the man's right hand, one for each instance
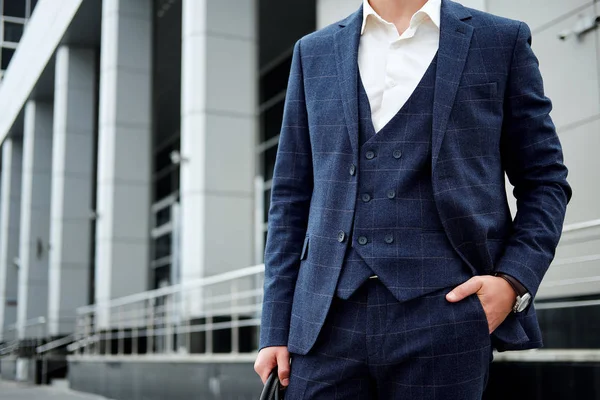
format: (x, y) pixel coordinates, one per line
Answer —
(270, 357)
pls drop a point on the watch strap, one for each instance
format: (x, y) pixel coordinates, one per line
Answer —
(519, 289)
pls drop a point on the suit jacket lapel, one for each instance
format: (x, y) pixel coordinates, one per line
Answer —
(455, 40)
(346, 53)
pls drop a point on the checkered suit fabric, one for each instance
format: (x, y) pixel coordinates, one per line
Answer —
(490, 116)
(404, 242)
(374, 347)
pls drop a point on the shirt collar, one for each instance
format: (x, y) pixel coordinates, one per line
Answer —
(431, 9)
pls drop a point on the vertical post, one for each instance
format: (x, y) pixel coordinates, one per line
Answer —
(235, 319)
(176, 243)
(79, 334)
(168, 325)
(87, 333)
(188, 323)
(259, 219)
(150, 328)
(208, 325)
(121, 332)
(134, 329)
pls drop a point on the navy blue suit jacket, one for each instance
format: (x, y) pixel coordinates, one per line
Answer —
(490, 118)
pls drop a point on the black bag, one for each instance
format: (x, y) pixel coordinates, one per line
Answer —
(273, 389)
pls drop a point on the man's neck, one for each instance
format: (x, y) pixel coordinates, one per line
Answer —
(398, 12)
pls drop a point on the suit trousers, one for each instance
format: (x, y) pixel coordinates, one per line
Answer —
(374, 347)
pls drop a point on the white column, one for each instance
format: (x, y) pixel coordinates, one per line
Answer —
(35, 216)
(124, 149)
(72, 186)
(218, 135)
(10, 211)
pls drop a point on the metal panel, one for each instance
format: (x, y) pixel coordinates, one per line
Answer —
(570, 71)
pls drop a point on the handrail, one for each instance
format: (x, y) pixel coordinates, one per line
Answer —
(9, 348)
(581, 225)
(55, 344)
(169, 319)
(34, 321)
(173, 289)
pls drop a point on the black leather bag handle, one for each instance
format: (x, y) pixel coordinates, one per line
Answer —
(273, 389)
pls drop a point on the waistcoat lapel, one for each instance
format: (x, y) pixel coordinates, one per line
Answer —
(346, 41)
(455, 40)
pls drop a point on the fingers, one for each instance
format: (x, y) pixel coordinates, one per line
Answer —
(264, 364)
(283, 367)
(466, 289)
(271, 357)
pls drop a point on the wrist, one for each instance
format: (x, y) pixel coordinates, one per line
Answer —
(518, 288)
(523, 297)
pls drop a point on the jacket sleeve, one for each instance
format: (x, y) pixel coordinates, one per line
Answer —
(291, 192)
(533, 160)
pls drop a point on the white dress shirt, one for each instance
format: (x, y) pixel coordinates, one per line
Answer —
(392, 65)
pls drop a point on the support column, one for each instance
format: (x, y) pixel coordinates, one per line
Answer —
(10, 211)
(124, 150)
(73, 168)
(218, 136)
(35, 218)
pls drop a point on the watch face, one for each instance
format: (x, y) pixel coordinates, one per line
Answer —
(523, 302)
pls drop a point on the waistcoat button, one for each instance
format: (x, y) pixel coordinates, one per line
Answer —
(389, 238)
(362, 240)
(366, 197)
(370, 155)
(391, 194)
(341, 236)
(352, 169)
(397, 154)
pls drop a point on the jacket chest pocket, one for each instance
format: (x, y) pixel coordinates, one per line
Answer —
(480, 92)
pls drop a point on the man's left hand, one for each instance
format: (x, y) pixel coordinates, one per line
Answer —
(495, 294)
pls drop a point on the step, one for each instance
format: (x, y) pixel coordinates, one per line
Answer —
(60, 384)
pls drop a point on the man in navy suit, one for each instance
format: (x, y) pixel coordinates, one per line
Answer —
(393, 266)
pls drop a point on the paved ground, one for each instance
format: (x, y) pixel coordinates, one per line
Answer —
(17, 391)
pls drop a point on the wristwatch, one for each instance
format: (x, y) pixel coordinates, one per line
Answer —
(523, 296)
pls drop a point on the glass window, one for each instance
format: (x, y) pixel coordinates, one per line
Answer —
(271, 121)
(269, 162)
(163, 217)
(12, 31)
(164, 186)
(275, 80)
(14, 8)
(162, 276)
(32, 7)
(5, 57)
(162, 246)
(267, 203)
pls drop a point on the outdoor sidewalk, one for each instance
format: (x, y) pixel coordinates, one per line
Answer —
(21, 391)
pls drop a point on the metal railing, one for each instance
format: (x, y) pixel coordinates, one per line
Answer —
(32, 331)
(206, 316)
